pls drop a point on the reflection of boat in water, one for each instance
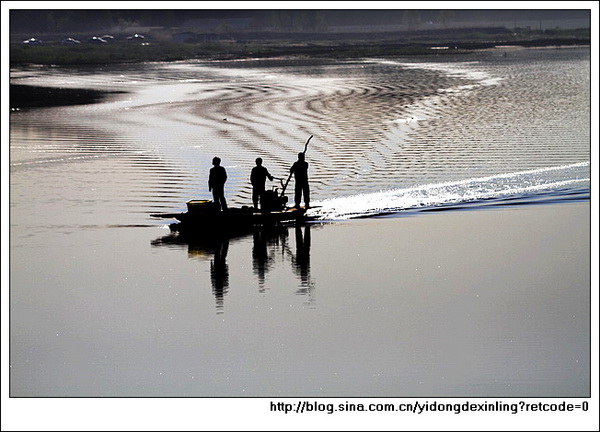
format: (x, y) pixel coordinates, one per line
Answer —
(205, 244)
(270, 247)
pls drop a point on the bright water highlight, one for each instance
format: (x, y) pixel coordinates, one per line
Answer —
(552, 183)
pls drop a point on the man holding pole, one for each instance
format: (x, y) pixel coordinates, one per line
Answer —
(300, 171)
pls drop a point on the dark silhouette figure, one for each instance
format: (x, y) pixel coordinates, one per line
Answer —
(216, 183)
(300, 171)
(258, 177)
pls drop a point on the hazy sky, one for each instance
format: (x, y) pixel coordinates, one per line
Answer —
(28, 20)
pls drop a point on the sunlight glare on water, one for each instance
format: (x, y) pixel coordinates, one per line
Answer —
(460, 192)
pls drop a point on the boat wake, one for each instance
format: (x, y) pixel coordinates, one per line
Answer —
(543, 185)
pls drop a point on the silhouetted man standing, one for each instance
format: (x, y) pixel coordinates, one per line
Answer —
(216, 183)
(258, 177)
(300, 171)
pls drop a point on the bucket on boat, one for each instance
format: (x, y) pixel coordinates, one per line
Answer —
(198, 205)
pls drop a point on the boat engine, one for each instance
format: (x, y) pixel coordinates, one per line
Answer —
(272, 201)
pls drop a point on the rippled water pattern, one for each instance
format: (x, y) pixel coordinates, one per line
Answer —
(104, 301)
(386, 132)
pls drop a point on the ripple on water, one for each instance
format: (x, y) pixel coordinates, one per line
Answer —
(377, 125)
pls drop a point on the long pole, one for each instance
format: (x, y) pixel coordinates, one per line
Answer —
(290, 176)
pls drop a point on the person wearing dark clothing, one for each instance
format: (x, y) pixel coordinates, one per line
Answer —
(300, 171)
(258, 177)
(216, 183)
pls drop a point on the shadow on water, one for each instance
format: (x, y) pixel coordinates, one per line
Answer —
(268, 245)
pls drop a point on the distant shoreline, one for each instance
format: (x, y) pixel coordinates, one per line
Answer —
(166, 51)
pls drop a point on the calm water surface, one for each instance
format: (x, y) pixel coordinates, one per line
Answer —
(106, 302)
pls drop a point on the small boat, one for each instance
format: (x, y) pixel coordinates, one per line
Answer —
(203, 216)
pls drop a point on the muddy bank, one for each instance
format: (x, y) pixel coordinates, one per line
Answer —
(25, 96)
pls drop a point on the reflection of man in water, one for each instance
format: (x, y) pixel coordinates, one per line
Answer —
(300, 171)
(260, 256)
(302, 259)
(258, 177)
(219, 272)
(216, 183)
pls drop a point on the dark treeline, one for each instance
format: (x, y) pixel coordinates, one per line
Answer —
(77, 20)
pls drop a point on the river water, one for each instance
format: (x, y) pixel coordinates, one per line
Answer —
(105, 301)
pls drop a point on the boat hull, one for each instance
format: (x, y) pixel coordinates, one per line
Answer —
(232, 220)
